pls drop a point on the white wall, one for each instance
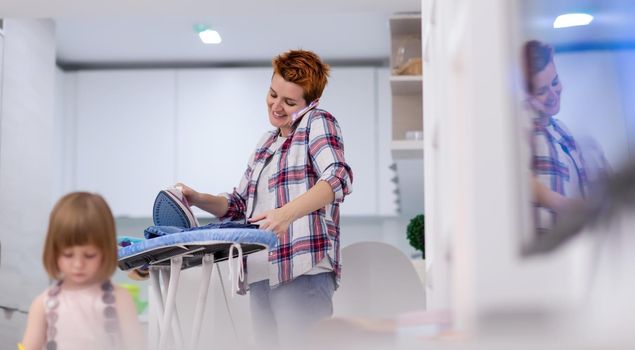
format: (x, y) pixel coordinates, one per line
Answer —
(391, 230)
(1, 76)
(28, 171)
(626, 61)
(66, 129)
(125, 144)
(594, 102)
(386, 195)
(351, 97)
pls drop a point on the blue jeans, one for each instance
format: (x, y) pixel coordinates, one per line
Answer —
(287, 313)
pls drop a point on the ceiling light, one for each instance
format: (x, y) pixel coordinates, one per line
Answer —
(207, 35)
(572, 20)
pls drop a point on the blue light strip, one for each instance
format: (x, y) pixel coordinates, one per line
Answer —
(595, 46)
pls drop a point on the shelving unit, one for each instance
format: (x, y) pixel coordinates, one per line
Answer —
(406, 90)
(406, 86)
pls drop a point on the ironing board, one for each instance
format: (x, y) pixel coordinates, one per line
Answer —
(167, 255)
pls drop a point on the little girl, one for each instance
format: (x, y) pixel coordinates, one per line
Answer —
(82, 309)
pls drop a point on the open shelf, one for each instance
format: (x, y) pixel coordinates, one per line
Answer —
(406, 84)
(407, 149)
(405, 23)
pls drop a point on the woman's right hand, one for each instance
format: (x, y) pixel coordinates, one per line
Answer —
(190, 194)
(215, 205)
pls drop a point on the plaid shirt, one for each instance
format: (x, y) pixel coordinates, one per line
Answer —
(314, 151)
(557, 162)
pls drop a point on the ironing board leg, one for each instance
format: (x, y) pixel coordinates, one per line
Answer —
(176, 321)
(207, 269)
(154, 326)
(170, 302)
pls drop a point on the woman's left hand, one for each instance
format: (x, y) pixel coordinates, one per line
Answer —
(276, 220)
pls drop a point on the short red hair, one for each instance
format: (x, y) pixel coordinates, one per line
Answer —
(304, 68)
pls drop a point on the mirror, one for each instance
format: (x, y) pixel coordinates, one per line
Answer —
(577, 62)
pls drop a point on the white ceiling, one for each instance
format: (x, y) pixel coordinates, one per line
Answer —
(160, 31)
(109, 8)
(128, 32)
(246, 38)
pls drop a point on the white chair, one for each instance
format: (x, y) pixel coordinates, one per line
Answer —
(378, 281)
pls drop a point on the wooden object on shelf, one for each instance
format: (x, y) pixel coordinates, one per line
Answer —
(414, 66)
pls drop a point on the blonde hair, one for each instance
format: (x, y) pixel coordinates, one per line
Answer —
(81, 218)
(304, 68)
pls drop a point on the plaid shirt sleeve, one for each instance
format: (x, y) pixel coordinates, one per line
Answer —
(237, 200)
(326, 151)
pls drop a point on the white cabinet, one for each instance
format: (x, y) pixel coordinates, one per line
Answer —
(138, 131)
(387, 195)
(125, 134)
(1, 68)
(221, 115)
(350, 97)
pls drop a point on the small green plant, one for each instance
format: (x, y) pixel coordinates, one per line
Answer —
(415, 235)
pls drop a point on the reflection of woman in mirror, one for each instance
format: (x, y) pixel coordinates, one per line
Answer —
(559, 180)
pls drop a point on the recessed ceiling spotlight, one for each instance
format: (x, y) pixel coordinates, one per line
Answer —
(207, 35)
(572, 20)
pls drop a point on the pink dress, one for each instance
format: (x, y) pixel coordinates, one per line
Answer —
(78, 319)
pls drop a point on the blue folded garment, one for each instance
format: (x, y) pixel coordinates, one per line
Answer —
(158, 231)
(124, 241)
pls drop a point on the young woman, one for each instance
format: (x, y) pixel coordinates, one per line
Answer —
(294, 182)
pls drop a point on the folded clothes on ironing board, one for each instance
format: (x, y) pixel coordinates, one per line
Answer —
(177, 233)
(193, 245)
(158, 231)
